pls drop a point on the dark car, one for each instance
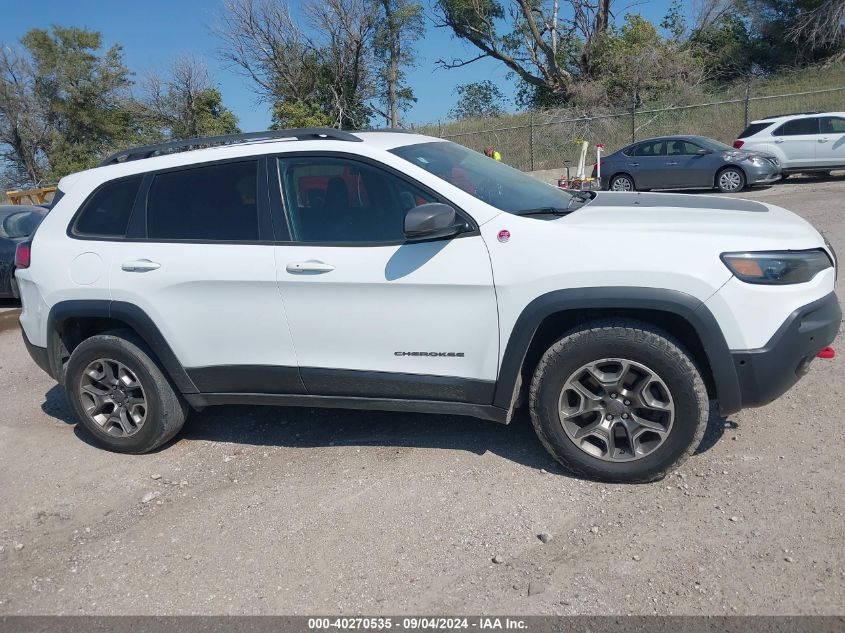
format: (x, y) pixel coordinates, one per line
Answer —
(678, 162)
(17, 224)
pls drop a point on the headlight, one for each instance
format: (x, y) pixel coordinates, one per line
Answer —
(777, 267)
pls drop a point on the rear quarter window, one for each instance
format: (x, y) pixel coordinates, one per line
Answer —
(753, 129)
(106, 213)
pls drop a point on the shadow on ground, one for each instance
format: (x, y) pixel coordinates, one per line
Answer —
(298, 427)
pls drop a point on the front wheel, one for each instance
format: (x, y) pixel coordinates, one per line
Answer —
(730, 180)
(618, 401)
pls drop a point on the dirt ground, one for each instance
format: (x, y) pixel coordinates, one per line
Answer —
(298, 511)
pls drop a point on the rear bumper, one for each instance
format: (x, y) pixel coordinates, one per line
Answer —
(768, 372)
(38, 354)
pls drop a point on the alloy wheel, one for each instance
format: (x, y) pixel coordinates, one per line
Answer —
(730, 180)
(113, 397)
(616, 409)
(621, 183)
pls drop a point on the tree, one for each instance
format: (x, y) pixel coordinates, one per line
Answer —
(544, 49)
(636, 64)
(400, 25)
(23, 133)
(477, 100)
(81, 91)
(324, 74)
(820, 30)
(186, 104)
(64, 103)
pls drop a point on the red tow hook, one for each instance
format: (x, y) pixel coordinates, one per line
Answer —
(827, 352)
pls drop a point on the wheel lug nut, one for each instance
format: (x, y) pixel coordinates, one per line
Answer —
(613, 395)
(609, 416)
(624, 416)
(627, 403)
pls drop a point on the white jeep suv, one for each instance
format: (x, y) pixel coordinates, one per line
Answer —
(386, 270)
(804, 142)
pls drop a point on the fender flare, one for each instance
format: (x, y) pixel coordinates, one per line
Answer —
(674, 302)
(135, 318)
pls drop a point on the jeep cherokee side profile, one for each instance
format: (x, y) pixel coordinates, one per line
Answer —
(388, 270)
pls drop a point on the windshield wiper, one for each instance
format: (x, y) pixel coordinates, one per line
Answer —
(543, 211)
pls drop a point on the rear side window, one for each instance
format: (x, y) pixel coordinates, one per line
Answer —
(215, 202)
(752, 129)
(797, 127)
(653, 148)
(106, 213)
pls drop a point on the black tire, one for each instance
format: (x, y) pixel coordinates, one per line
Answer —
(13, 287)
(165, 410)
(634, 341)
(725, 174)
(618, 180)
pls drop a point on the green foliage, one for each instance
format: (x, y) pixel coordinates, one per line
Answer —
(212, 117)
(724, 48)
(290, 114)
(479, 99)
(82, 91)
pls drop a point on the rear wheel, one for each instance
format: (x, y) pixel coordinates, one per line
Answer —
(120, 395)
(621, 182)
(618, 401)
(730, 180)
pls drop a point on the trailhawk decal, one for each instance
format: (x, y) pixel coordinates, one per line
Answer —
(444, 354)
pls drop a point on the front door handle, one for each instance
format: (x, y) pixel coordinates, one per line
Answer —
(634, 164)
(823, 140)
(778, 140)
(671, 163)
(140, 266)
(312, 266)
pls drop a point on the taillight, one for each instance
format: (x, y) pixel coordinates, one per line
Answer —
(738, 144)
(23, 255)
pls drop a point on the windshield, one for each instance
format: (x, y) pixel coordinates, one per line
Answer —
(487, 179)
(709, 143)
(21, 224)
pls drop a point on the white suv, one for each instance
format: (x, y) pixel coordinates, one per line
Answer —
(804, 142)
(385, 270)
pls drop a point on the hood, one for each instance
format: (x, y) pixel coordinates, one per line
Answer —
(742, 224)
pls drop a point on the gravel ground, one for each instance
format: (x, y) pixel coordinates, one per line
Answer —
(266, 511)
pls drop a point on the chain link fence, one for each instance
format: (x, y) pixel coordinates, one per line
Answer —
(545, 140)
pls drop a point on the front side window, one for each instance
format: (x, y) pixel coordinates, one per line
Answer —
(214, 202)
(797, 127)
(491, 181)
(832, 125)
(339, 200)
(106, 213)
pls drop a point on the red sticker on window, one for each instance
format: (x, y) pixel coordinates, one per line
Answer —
(504, 235)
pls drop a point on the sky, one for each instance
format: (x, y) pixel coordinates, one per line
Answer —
(153, 32)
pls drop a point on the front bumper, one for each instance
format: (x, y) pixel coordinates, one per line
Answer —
(762, 173)
(766, 373)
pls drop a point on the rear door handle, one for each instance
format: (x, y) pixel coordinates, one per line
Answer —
(823, 140)
(311, 266)
(671, 163)
(634, 164)
(140, 266)
(778, 140)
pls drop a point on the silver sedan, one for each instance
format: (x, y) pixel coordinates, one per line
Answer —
(677, 162)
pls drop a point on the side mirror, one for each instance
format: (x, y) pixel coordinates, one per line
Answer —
(432, 220)
(703, 152)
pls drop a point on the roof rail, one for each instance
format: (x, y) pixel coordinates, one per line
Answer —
(302, 134)
(777, 116)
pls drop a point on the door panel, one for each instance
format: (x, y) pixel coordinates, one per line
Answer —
(649, 165)
(797, 139)
(372, 315)
(686, 168)
(830, 148)
(216, 302)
